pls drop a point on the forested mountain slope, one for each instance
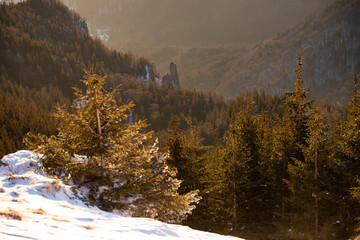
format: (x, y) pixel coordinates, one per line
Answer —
(45, 48)
(328, 40)
(46, 44)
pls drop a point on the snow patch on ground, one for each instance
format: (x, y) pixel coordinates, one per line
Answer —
(35, 206)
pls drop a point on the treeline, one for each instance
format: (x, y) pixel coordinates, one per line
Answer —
(210, 112)
(288, 177)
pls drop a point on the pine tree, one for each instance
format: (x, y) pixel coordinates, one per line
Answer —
(120, 165)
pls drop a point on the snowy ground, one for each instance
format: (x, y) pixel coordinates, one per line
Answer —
(33, 206)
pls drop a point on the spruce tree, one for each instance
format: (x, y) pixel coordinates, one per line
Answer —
(355, 192)
(186, 154)
(296, 109)
(289, 140)
(120, 165)
(347, 158)
(309, 182)
(243, 164)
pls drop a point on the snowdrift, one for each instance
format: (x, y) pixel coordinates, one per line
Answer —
(35, 206)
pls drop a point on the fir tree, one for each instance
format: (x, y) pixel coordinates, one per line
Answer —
(289, 140)
(121, 165)
(296, 109)
(355, 192)
(309, 182)
(347, 158)
(186, 154)
(243, 161)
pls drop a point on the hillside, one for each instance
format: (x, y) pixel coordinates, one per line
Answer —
(46, 44)
(44, 51)
(192, 22)
(45, 48)
(328, 40)
(35, 206)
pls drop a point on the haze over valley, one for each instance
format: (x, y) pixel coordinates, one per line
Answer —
(236, 46)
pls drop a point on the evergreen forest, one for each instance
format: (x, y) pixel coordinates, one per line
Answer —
(260, 166)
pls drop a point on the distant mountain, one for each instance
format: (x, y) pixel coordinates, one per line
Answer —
(192, 22)
(328, 40)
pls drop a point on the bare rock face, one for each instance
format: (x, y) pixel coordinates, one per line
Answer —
(166, 79)
(174, 75)
(81, 25)
(173, 78)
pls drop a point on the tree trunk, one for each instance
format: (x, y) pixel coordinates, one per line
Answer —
(100, 135)
(316, 192)
(234, 210)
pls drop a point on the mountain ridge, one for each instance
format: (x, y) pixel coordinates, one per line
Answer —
(330, 58)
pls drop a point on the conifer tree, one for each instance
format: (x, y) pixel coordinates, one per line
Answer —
(187, 154)
(296, 109)
(309, 180)
(121, 165)
(355, 192)
(243, 161)
(289, 140)
(190, 157)
(347, 158)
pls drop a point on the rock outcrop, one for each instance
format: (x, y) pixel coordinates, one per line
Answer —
(81, 25)
(173, 78)
(174, 75)
(166, 79)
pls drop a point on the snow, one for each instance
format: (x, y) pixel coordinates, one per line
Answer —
(158, 80)
(35, 206)
(147, 72)
(103, 34)
(146, 79)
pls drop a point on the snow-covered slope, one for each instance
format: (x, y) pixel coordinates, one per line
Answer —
(34, 206)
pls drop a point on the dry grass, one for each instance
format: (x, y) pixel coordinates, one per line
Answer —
(19, 200)
(11, 177)
(60, 220)
(53, 187)
(12, 214)
(14, 178)
(32, 182)
(66, 206)
(66, 193)
(88, 227)
(38, 211)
